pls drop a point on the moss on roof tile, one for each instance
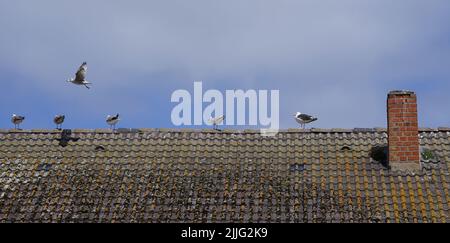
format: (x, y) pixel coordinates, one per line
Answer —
(192, 175)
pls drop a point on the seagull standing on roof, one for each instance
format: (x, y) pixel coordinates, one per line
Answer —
(216, 121)
(80, 76)
(112, 121)
(304, 119)
(58, 120)
(17, 120)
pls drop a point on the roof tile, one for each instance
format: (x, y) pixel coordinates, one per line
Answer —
(187, 175)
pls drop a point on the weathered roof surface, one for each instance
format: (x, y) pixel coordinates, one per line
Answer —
(163, 175)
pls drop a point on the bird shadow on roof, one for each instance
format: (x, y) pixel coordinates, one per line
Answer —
(66, 137)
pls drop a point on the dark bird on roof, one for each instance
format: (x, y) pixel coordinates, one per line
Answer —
(112, 121)
(304, 119)
(80, 76)
(58, 120)
(16, 120)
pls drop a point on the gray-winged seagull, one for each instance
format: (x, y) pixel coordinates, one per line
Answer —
(216, 121)
(112, 121)
(80, 76)
(304, 119)
(58, 120)
(17, 120)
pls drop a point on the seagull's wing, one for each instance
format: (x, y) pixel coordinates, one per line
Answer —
(220, 119)
(217, 120)
(81, 73)
(305, 117)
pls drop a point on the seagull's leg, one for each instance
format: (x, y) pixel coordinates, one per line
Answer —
(86, 86)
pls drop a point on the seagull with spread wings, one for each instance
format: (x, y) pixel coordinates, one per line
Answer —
(80, 76)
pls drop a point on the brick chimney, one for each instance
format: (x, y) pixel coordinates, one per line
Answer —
(403, 140)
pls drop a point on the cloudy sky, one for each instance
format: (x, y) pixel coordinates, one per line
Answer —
(334, 59)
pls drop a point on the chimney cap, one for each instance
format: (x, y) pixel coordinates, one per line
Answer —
(401, 92)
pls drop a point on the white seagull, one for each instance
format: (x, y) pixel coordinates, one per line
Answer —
(304, 119)
(80, 76)
(112, 121)
(17, 120)
(216, 121)
(58, 120)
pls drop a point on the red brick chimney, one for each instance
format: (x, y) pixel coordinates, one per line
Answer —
(403, 140)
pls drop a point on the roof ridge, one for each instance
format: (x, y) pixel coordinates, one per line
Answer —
(208, 130)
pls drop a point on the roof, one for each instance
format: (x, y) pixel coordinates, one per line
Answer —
(166, 175)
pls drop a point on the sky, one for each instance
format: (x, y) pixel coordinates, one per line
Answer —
(335, 59)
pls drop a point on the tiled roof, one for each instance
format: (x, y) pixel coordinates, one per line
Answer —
(164, 175)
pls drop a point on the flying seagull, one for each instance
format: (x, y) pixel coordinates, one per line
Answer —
(58, 120)
(112, 121)
(17, 120)
(80, 76)
(216, 121)
(304, 119)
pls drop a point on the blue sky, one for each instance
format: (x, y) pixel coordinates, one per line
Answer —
(333, 59)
